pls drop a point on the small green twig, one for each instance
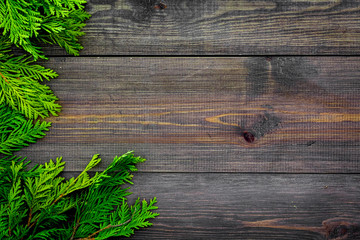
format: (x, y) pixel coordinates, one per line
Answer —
(75, 228)
(29, 219)
(90, 237)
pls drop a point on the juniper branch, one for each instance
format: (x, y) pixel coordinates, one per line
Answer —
(107, 227)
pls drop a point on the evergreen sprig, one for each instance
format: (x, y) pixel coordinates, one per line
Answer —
(26, 23)
(40, 204)
(29, 24)
(20, 87)
(16, 131)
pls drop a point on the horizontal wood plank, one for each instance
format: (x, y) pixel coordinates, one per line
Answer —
(285, 114)
(251, 206)
(272, 27)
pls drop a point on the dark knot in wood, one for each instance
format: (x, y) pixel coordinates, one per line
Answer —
(267, 123)
(248, 136)
(160, 5)
(341, 229)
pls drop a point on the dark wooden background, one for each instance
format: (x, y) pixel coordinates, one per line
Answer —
(181, 85)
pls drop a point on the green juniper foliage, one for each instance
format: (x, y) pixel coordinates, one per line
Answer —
(20, 87)
(40, 204)
(16, 131)
(26, 23)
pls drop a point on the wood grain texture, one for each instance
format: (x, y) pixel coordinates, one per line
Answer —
(190, 114)
(213, 27)
(209, 125)
(251, 206)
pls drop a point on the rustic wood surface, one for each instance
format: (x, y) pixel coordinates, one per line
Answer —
(252, 206)
(207, 27)
(190, 114)
(263, 146)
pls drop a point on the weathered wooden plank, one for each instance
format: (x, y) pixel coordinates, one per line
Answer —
(191, 114)
(251, 206)
(272, 27)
